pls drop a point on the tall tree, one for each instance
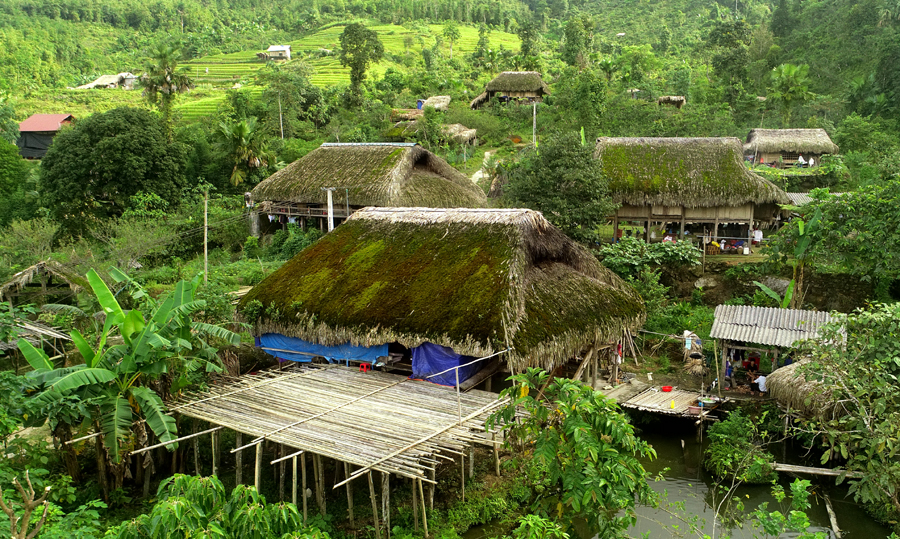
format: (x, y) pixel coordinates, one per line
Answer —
(790, 87)
(451, 34)
(9, 128)
(564, 182)
(360, 47)
(163, 81)
(530, 38)
(245, 148)
(92, 170)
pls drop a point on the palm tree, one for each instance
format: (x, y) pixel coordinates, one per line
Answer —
(790, 86)
(163, 81)
(245, 148)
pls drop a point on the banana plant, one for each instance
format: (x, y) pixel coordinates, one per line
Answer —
(115, 377)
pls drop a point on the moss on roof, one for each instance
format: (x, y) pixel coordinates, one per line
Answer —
(689, 172)
(372, 174)
(814, 141)
(517, 81)
(474, 280)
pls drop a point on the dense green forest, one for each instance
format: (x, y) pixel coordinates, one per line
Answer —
(130, 196)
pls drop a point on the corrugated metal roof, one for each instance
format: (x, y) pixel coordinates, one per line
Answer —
(278, 48)
(766, 325)
(44, 122)
(799, 199)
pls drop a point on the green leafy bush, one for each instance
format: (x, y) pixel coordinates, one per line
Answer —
(736, 450)
(631, 255)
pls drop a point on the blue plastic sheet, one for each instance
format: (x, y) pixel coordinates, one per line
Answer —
(334, 354)
(428, 359)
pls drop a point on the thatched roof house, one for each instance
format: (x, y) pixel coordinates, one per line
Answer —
(785, 146)
(513, 85)
(686, 180)
(365, 174)
(123, 80)
(477, 281)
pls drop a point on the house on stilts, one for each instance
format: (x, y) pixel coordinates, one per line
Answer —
(676, 182)
(447, 285)
(356, 175)
(785, 147)
(513, 87)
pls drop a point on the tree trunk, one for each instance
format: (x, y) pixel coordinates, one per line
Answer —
(63, 432)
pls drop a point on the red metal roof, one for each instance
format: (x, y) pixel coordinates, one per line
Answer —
(45, 122)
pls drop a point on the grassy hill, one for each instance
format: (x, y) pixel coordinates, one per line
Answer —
(215, 74)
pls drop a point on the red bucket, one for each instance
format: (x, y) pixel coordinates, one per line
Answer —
(666, 389)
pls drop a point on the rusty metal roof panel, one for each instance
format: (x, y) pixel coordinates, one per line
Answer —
(766, 325)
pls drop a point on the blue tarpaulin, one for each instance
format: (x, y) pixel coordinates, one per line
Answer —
(339, 353)
(428, 359)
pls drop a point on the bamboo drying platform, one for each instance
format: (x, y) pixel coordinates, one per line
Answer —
(382, 421)
(655, 400)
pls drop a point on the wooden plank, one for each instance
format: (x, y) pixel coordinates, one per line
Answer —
(815, 471)
(480, 376)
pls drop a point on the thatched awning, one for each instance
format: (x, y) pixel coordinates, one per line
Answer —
(478, 281)
(689, 172)
(43, 270)
(805, 396)
(512, 82)
(372, 174)
(766, 325)
(808, 141)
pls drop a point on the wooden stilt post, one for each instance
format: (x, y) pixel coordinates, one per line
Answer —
(595, 367)
(215, 453)
(281, 465)
(724, 365)
(424, 516)
(496, 454)
(303, 474)
(430, 491)
(487, 383)
(257, 470)
(471, 461)
(681, 234)
(319, 468)
(415, 506)
(196, 448)
(347, 471)
(238, 459)
(386, 503)
(294, 481)
(374, 506)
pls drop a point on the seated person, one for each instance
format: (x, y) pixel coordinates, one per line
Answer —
(758, 385)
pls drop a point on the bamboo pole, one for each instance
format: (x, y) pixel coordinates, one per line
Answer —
(431, 488)
(386, 503)
(215, 453)
(349, 496)
(282, 450)
(175, 441)
(415, 505)
(471, 461)
(257, 477)
(374, 506)
(320, 483)
(286, 457)
(195, 447)
(294, 480)
(424, 516)
(303, 472)
(238, 461)
(832, 517)
(496, 454)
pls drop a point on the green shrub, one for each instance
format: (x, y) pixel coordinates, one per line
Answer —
(737, 450)
(629, 256)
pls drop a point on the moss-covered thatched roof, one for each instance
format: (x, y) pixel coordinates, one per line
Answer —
(474, 280)
(372, 174)
(814, 141)
(512, 81)
(517, 81)
(689, 172)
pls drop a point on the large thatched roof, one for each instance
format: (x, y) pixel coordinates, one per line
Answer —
(474, 280)
(512, 81)
(376, 174)
(689, 172)
(814, 141)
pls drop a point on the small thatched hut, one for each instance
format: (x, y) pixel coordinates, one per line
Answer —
(685, 180)
(477, 281)
(783, 147)
(364, 174)
(802, 395)
(513, 86)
